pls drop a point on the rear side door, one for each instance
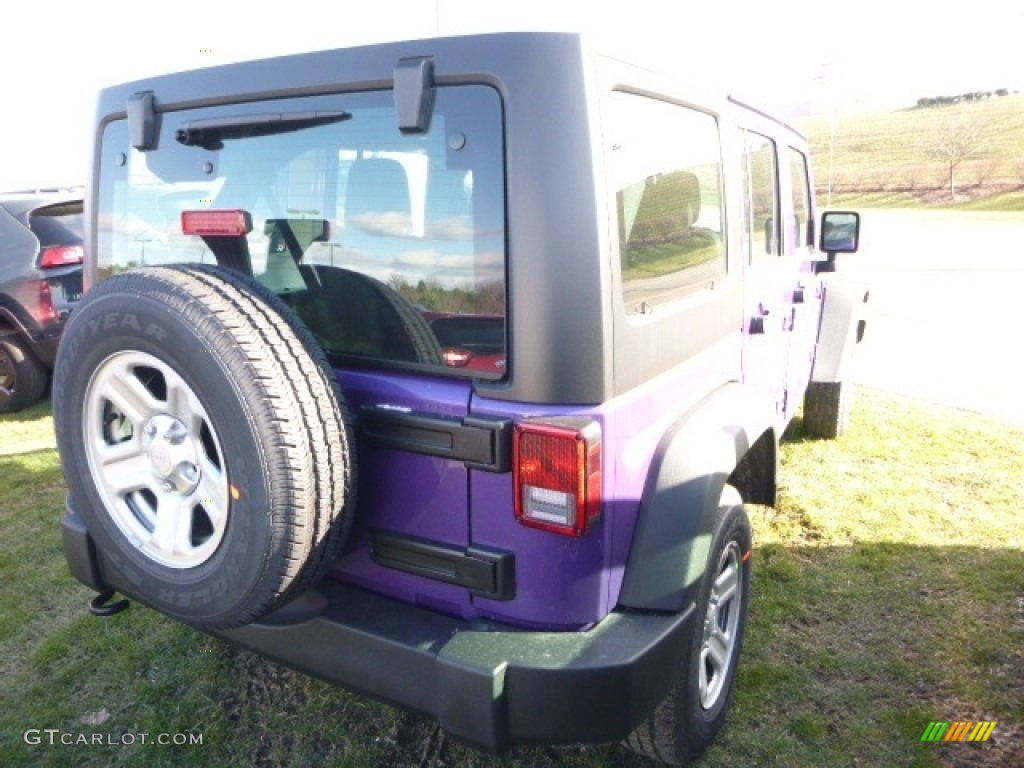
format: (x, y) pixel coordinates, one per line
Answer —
(782, 293)
(766, 325)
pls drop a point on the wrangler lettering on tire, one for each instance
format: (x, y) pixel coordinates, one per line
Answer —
(204, 427)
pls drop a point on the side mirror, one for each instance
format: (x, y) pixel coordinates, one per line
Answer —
(840, 232)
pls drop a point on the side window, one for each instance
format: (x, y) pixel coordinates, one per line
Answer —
(761, 196)
(800, 228)
(666, 171)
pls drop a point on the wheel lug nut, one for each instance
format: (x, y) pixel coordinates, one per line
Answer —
(168, 486)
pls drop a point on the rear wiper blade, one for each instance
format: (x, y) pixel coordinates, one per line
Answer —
(212, 133)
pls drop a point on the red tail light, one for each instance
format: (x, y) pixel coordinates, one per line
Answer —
(61, 256)
(44, 312)
(216, 223)
(557, 468)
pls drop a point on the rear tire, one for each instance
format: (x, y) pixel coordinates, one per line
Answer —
(693, 713)
(827, 408)
(204, 441)
(22, 377)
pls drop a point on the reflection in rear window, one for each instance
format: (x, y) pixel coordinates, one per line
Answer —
(368, 233)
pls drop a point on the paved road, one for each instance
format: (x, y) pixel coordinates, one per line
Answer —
(947, 308)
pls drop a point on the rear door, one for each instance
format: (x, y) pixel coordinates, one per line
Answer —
(767, 329)
(370, 234)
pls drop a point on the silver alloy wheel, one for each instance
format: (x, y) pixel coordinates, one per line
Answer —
(155, 459)
(721, 627)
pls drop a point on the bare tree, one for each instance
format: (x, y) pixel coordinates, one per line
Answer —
(957, 138)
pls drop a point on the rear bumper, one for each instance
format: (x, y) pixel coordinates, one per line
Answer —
(487, 684)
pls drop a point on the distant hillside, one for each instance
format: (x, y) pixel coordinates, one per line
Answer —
(904, 157)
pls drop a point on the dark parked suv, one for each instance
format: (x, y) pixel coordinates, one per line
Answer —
(443, 369)
(40, 282)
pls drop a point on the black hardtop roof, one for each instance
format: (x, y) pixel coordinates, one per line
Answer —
(363, 66)
(372, 66)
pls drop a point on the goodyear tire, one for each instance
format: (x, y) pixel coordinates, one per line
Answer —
(690, 717)
(22, 377)
(205, 443)
(827, 408)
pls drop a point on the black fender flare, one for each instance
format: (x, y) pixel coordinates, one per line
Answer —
(690, 467)
(843, 321)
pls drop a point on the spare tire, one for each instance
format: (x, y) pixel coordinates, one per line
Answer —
(205, 443)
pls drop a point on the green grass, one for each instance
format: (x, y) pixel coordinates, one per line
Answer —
(889, 591)
(889, 155)
(999, 206)
(29, 430)
(1007, 202)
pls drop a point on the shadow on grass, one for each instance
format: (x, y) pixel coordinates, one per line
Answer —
(27, 477)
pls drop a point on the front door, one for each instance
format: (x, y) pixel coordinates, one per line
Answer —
(802, 287)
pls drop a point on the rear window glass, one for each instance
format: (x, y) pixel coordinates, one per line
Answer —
(371, 235)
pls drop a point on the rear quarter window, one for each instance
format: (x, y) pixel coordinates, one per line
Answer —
(667, 174)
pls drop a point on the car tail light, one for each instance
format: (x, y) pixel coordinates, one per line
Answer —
(44, 312)
(61, 256)
(557, 468)
(216, 223)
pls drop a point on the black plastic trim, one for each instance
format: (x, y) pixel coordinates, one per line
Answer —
(485, 572)
(80, 552)
(142, 120)
(414, 94)
(695, 457)
(480, 443)
(489, 685)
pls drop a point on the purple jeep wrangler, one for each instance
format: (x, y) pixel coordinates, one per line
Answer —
(266, 434)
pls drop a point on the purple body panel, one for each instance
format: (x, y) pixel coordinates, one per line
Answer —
(561, 581)
(401, 491)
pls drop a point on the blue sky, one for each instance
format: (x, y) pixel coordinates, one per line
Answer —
(792, 55)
